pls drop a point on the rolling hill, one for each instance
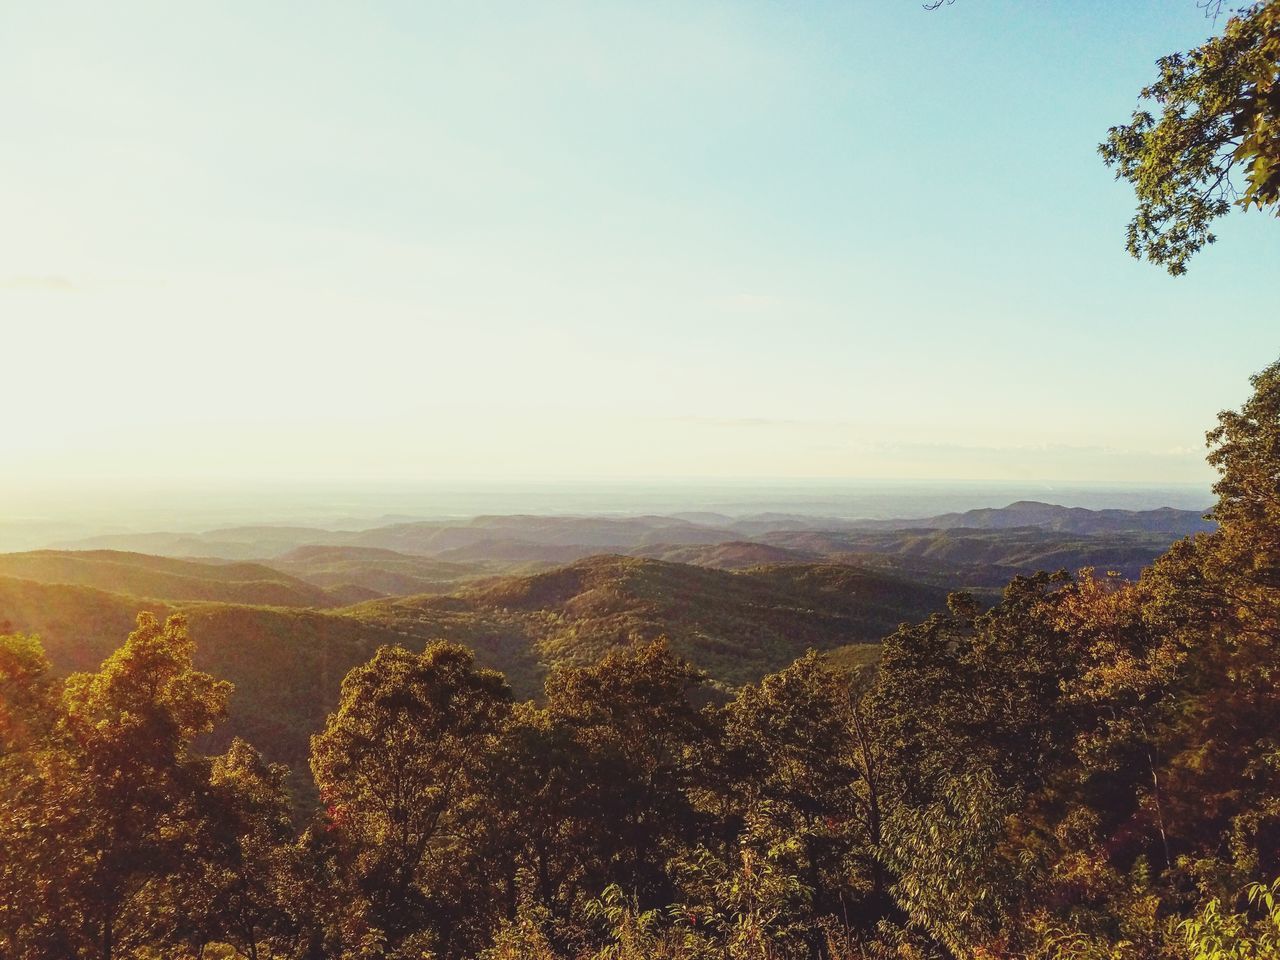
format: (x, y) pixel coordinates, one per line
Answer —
(166, 578)
(382, 572)
(737, 626)
(1015, 538)
(731, 555)
(973, 557)
(287, 663)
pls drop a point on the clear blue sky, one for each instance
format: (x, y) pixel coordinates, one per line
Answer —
(434, 241)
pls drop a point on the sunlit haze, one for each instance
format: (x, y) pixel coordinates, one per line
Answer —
(442, 243)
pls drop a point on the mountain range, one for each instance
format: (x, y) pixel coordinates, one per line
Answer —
(285, 611)
(498, 543)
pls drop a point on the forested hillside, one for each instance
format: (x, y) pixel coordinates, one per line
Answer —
(378, 571)
(1086, 769)
(735, 626)
(286, 664)
(436, 556)
(975, 557)
(166, 578)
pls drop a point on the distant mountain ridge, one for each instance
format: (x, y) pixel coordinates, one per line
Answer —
(560, 539)
(1050, 516)
(739, 597)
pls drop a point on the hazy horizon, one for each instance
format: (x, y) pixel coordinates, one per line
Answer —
(54, 519)
(425, 244)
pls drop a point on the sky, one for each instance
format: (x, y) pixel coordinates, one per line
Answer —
(504, 241)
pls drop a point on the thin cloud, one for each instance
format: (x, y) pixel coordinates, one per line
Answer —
(748, 302)
(742, 421)
(52, 282)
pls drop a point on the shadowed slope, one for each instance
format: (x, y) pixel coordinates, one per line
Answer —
(143, 575)
(286, 663)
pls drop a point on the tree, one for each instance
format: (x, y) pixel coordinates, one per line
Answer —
(797, 763)
(1218, 123)
(955, 707)
(634, 729)
(135, 799)
(27, 695)
(400, 766)
(545, 807)
(28, 700)
(1091, 757)
(752, 904)
(110, 802)
(1218, 598)
(522, 938)
(243, 885)
(1246, 452)
(1253, 934)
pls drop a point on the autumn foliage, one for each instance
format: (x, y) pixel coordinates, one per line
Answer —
(1088, 768)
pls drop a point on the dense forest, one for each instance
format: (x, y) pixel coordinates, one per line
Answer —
(1090, 767)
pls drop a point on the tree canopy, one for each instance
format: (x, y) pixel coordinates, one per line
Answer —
(1206, 140)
